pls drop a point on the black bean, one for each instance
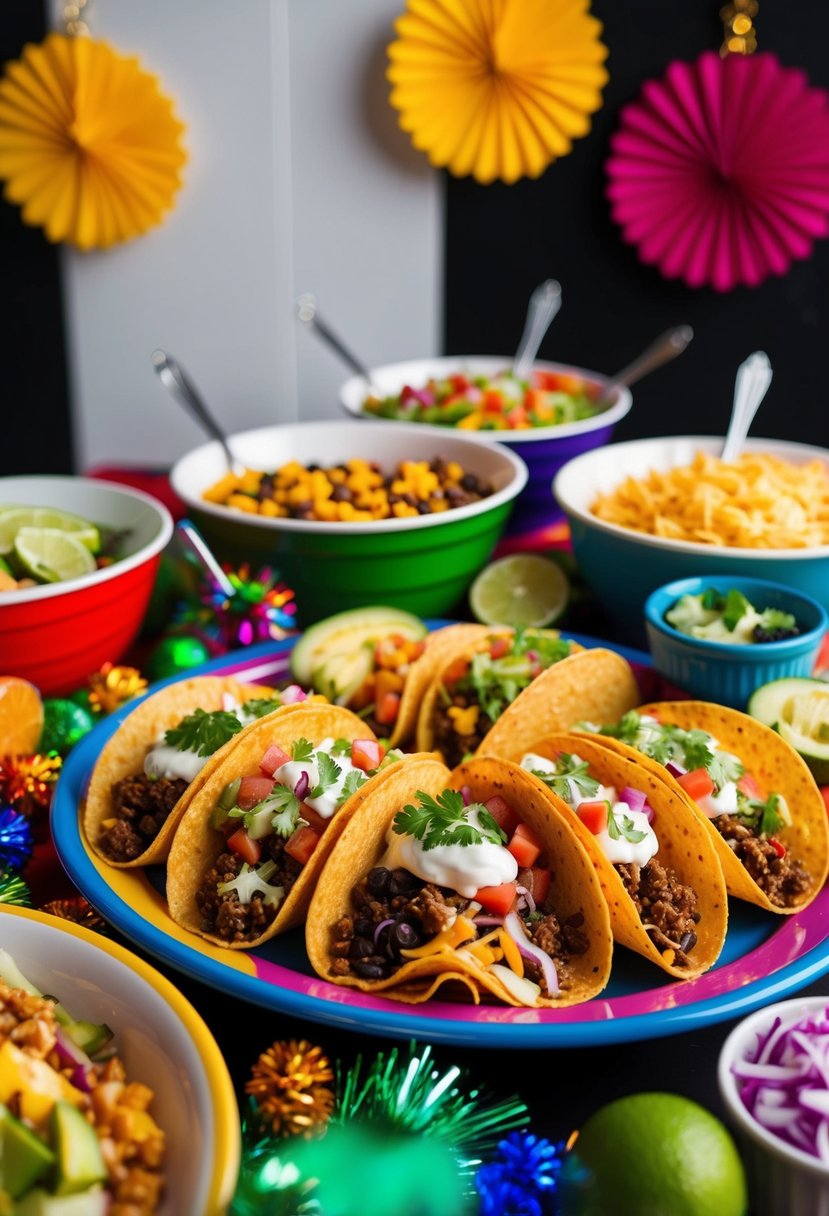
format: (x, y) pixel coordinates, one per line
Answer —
(687, 942)
(469, 481)
(341, 494)
(370, 971)
(363, 927)
(402, 882)
(378, 880)
(424, 508)
(361, 947)
(405, 936)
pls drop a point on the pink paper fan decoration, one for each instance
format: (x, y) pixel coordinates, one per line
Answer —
(719, 173)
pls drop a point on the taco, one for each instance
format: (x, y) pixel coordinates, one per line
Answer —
(160, 755)
(510, 685)
(753, 792)
(655, 862)
(248, 850)
(469, 877)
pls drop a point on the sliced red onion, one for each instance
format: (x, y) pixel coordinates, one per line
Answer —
(69, 1051)
(634, 798)
(513, 926)
(676, 770)
(382, 926)
(532, 655)
(487, 922)
(292, 694)
(527, 897)
(79, 1079)
(302, 783)
(466, 794)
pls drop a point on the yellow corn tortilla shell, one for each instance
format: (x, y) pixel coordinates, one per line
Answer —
(441, 644)
(123, 755)
(598, 685)
(684, 846)
(197, 844)
(574, 886)
(775, 765)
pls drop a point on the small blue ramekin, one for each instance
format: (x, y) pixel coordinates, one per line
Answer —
(726, 672)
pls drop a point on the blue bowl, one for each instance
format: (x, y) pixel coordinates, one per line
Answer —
(728, 672)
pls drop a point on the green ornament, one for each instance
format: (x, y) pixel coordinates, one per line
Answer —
(176, 654)
(65, 722)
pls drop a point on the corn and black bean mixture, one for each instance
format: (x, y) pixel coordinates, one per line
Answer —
(357, 491)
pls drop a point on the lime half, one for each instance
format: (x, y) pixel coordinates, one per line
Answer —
(520, 589)
(12, 519)
(51, 556)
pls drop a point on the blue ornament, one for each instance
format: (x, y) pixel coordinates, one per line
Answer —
(15, 840)
(522, 1179)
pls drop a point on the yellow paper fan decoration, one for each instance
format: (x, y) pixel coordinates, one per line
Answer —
(89, 146)
(496, 88)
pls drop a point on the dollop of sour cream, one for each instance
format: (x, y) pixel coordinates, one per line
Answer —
(461, 868)
(325, 804)
(163, 760)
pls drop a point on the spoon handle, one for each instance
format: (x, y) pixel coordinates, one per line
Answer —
(182, 389)
(544, 303)
(750, 387)
(666, 347)
(307, 313)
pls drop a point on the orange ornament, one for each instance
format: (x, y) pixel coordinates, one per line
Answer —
(21, 716)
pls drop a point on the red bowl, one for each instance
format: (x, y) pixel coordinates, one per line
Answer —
(57, 635)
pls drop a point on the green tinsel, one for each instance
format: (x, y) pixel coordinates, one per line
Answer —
(270, 1184)
(13, 890)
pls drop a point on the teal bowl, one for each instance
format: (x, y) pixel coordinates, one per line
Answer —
(728, 672)
(623, 567)
(424, 564)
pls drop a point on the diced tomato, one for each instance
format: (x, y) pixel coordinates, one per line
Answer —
(497, 900)
(498, 647)
(535, 399)
(253, 790)
(748, 786)
(824, 789)
(248, 849)
(315, 820)
(455, 671)
(302, 844)
(524, 846)
(559, 382)
(593, 815)
(541, 884)
(387, 709)
(407, 393)
(517, 418)
(273, 759)
(366, 754)
(503, 814)
(697, 784)
(780, 849)
(493, 401)
(460, 382)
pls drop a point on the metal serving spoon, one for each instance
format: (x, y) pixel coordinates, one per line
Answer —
(750, 387)
(544, 303)
(182, 389)
(308, 314)
(666, 347)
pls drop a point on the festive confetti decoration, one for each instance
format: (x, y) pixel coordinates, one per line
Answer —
(65, 723)
(261, 609)
(15, 840)
(26, 782)
(523, 1177)
(113, 686)
(176, 654)
(77, 910)
(13, 890)
(289, 1088)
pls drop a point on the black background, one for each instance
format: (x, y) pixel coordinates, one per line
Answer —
(502, 241)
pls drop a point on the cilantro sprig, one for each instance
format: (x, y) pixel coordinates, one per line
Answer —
(763, 818)
(445, 820)
(569, 768)
(622, 826)
(259, 707)
(666, 743)
(202, 732)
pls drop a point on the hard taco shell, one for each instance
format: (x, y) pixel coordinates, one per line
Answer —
(684, 846)
(361, 845)
(775, 765)
(197, 844)
(123, 755)
(441, 644)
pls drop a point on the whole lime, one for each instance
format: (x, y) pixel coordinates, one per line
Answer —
(653, 1155)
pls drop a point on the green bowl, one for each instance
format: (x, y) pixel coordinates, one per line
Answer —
(423, 564)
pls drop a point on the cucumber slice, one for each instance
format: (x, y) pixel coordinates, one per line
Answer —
(345, 633)
(798, 709)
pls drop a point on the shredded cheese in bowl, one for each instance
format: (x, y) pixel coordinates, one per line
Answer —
(758, 501)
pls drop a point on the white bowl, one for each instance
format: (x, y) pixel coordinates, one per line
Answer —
(782, 1181)
(160, 1038)
(623, 567)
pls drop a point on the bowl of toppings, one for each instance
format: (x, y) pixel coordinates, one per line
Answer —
(649, 511)
(721, 638)
(773, 1081)
(548, 418)
(78, 559)
(355, 515)
(114, 1096)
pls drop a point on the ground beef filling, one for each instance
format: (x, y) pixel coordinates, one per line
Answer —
(221, 911)
(783, 879)
(394, 910)
(667, 907)
(452, 745)
(140, 807)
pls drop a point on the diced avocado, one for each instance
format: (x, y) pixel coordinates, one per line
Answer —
(80, 1163)
(798, 709)
(339, 677)
(346, 632)
(39, 1203)
(24, 1157)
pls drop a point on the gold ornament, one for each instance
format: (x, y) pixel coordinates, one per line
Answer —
(90, 148)
(739, 34)
(112, 686)
(78, 910)
(288, 1085)
(496, 88)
